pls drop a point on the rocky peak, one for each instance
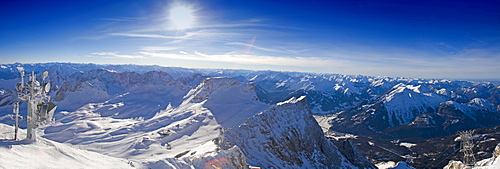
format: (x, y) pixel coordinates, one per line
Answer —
(218, 84)
(287, 136)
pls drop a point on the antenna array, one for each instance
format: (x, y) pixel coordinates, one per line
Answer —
(39, 107)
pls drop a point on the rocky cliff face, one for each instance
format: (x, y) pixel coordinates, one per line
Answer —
(287, 136)
(351, 152)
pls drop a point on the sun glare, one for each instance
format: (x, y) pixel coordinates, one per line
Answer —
(181, 17)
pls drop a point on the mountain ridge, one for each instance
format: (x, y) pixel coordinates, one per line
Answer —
(129, 96)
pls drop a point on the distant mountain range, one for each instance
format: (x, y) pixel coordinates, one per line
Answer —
(195, 119)
(144, 100)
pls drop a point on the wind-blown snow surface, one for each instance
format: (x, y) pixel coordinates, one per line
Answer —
(154, 114)
(181, 135)
(175, 137)
(44, 153)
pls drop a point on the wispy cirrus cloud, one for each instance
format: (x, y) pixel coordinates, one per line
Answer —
(115, 55)
(250, 45)
(235, 24)
(230, 58)
(147, 35)
(208, 24)
(457, 66)
(180, 37)
(158, 48)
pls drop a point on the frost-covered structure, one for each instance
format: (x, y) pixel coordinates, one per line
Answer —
(39, 106)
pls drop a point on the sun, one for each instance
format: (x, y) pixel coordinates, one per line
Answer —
(181, 17)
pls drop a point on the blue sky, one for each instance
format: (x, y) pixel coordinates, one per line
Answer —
(426, 39)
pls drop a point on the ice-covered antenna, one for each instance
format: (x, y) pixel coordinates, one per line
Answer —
(46, 86)
(21, 71)
(44, 75)
(33, 77)
(40, 108)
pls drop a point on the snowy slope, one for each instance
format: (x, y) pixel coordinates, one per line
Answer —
(44, 153)
(402, 165)
(165, 116)
(404, 102)
(182, 136)
(490, 163)
(230, 101)
(186, 130)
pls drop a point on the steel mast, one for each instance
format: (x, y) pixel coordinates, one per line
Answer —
(39, 107)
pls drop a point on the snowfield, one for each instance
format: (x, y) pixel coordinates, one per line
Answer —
(200, 131)
(122, 116)
(175, 137)
(44, 153)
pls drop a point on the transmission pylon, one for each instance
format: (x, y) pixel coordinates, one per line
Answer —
(466, 147)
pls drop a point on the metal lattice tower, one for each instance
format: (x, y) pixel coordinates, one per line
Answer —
(466, 147)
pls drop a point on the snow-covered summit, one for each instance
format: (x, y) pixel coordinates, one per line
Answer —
(230, 101)
(405, 102)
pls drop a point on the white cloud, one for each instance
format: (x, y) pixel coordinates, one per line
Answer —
(243, 59)
(297, 51)
(210, 24)
(147, 35)
(116, 55)
(158, 48)
(422, 67)
(256, 47)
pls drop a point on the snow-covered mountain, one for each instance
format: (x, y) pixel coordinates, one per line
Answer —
(154, 120)
(177, 136)
(417, 111)
(169, 117)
